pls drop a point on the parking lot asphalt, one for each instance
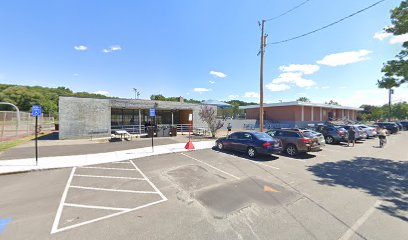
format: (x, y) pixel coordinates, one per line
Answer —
(341, 192)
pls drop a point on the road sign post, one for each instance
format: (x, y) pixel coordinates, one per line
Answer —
(152, 114)
(35, 112)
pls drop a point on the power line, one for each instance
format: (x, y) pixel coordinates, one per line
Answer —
(328, 25)
(288, 11)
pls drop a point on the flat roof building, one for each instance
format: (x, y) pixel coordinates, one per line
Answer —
(86, 117)
(301, 113)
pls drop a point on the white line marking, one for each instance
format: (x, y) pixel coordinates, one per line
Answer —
(119, 162)
(107, 216)
(147, 179)
(318, 154)
(112, 190)
(350, 232)
(97, 176)
(96, 207)
(106, 168)
(211, 166)
(266, 165)
(64, 195)
(121, 210)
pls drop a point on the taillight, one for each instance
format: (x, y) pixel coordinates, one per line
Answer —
(339, 132)
(267, 144)
(306, 140)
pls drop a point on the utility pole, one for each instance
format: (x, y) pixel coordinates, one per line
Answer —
(261, 108)
(390, 92)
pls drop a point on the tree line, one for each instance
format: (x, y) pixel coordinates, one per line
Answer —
(26, 96)
(399, 111)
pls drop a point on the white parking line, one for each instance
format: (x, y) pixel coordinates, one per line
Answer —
(107, 216)
(350, 232)
(97, 176)
(55, 228)
(266, 165)
(112, 190)
(211, 166)
(120, 162)
(61, 205)
(147, 179)
(106, 168)
(95, 207)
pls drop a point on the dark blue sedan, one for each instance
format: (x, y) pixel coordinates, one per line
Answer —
(252, 143)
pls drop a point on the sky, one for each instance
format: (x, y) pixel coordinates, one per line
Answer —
(202, 49)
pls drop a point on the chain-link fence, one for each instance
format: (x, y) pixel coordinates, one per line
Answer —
(11, 128)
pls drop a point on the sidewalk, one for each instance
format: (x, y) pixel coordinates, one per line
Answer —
(28, 164)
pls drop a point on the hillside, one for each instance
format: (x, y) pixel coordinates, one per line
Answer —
(26, 96)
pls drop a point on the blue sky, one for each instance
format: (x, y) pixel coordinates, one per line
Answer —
(172, 47)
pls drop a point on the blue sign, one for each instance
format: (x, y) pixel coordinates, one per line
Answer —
(152, 112)
(35, 110)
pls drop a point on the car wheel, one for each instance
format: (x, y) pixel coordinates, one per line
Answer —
(291, 150)
(220, 146)
(329, 140)
(251, 152)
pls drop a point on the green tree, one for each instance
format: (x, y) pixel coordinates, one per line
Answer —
(331, 102)
(157, 97)
(303, 99)
(396, 71)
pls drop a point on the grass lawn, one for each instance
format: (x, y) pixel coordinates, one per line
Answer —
(15, 142)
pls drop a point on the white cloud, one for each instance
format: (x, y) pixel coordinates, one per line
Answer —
(212, 82)
(112, 48)
(342, 87)
(81, 48)
(218, 74)
(373, 96)
(303, 68)
(382, 35)
(277, 87)
(75, 74)
(233, 97)
(251, 95)
(102, 92)
(294, 78)
(201, 90)
(399, 39)
(344, 58)
(325, 87)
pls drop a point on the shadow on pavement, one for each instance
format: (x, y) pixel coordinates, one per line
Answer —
(378, 177)
(259, 158)
(49, 136)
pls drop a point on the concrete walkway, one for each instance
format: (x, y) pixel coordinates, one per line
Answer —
(28, 164)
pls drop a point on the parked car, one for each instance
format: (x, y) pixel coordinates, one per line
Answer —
(370, 131)
(295, 141)
(390, 126)
(332, 134)
(359, 132)
(404, 125)
(319, 136)
(252, 143)
(400, 127)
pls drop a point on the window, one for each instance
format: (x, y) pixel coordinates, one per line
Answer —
(234, 136)
(290, 134)
(246, 136)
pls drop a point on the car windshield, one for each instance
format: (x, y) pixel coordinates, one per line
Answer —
(262, 136)
(309, 134)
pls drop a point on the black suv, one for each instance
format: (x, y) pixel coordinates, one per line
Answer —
(390, 126)
(332, 134)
